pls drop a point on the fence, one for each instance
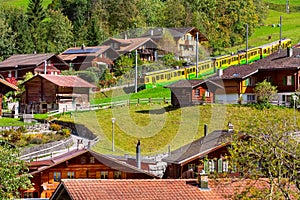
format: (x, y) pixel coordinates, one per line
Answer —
(116, 104)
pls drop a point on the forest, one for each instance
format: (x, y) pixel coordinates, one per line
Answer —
(66, 23)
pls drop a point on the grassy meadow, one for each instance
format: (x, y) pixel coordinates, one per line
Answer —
(158, 125)
(22, 3)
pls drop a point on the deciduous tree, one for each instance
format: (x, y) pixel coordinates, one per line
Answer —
(272, 151)
(13, 173)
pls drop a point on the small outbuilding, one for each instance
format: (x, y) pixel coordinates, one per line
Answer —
(46, 93)
(190, 92)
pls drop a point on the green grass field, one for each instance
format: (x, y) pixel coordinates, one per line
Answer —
(119, 95)
(22, 3)
(158, 126)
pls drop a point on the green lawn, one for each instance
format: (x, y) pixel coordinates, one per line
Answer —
(158, 126)
(291, 2)
(22, 3)
(4, 121)
(122, 94)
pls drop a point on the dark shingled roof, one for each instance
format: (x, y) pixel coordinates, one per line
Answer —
(199, 148)
(191, 84)
(20, 60)
(276, 61)
(106, 160)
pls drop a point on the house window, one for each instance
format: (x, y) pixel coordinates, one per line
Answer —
(191, 166)
(250, 98)
(207, 93)
(71, 175)
(289, 80)
(104, 174)
(117, 175)
(268, 79)
(28, 195)
(225, 165)
(82, 159)
(211, 166)
(57, 176)
(92, 159)
(250, 81)
(197, 93)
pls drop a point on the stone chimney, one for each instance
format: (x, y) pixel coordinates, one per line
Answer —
(138, 155)
(203, 180)
(220, 72)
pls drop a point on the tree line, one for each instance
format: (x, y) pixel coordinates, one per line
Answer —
(74, 22)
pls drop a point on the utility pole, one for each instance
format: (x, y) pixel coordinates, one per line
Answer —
(197, 40)
(246, 43)
(136, 73)
(280, 31)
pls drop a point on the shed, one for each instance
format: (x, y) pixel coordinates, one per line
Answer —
(46, 92)
(189, 92)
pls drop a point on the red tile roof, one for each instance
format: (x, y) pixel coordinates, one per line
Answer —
(8, 84)
(67, 81)
(94, 189)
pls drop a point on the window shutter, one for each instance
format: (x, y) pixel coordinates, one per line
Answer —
(284, 80)
(247, 82)
(293, 80)
(206, 167)
(220, 165)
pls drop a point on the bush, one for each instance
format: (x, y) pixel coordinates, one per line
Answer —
(65, 132)
(36, 141)
(55, 127)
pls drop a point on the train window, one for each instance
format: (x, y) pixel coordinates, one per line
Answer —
(194, 69)
(175, 74)
(157, 77)
(153, 80)
(147, 80)
(179, 73)
(223, 61)
(162, 77)
(182, 72)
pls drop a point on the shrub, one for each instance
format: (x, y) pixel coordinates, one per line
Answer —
(65, 132)
(15, 136)
(36, 141)
(55, 127)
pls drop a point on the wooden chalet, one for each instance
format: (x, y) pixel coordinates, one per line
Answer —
(184, 38)
(207, 153)
(80, 58)
(190, 92)
(5, 87)
(45, 93)
(282, 69)
(17, 66)
(78, 164)
(146, 47)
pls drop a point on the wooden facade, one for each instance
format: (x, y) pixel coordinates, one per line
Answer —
(81, 58)
(49, 92)
(207, 153)
(78, 164)
(190, 92)
(17, 66)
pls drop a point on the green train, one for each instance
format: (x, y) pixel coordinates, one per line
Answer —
(210, 66)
